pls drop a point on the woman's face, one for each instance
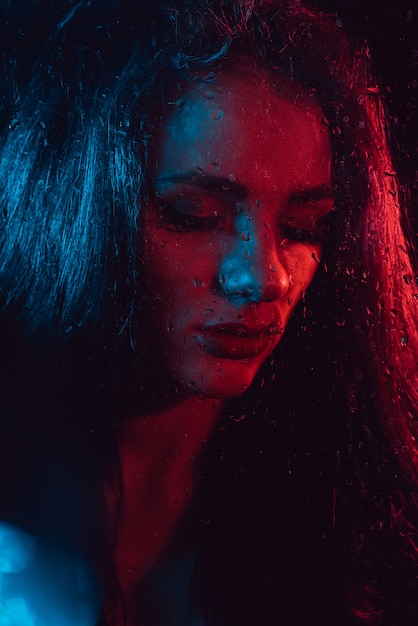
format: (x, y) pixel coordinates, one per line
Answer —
(232, 230)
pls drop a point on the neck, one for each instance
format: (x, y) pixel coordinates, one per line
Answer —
(177, 431)
(157, 458)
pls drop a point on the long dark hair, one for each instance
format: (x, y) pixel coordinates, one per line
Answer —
(72, 179)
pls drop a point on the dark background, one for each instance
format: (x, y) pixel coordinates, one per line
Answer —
(391, 29)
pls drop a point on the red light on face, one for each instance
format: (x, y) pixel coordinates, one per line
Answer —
(233, 232)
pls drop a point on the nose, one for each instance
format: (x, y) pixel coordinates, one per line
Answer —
(252, 271)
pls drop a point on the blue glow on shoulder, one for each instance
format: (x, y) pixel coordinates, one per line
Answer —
(43, 584)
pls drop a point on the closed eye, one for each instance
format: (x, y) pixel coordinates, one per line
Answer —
(307, 222)
(315, 235)
(185, 215)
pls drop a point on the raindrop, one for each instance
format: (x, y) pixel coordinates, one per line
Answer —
(237, 419)
(180, 102)
(209, 95)
(13, 124)
(217, 114)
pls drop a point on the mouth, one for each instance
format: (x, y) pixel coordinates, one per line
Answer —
(239, 341)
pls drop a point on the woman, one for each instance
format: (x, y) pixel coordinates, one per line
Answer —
(167, 202)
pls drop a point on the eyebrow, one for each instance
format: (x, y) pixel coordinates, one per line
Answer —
(239, 191)
(207, 182)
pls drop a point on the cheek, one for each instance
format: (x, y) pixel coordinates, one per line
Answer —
(302, 262)
(182, 260)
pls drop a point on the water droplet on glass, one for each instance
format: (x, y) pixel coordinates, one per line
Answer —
(209, 95)
(217, 114)
(237, 419)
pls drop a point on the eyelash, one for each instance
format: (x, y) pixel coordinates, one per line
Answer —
(171, 217)
(300, 235)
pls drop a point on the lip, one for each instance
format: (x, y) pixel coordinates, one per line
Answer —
(238, 341)
(243, 330)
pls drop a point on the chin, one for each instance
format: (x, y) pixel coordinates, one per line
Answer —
(225, 381)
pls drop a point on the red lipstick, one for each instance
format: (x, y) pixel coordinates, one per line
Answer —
(238, 341)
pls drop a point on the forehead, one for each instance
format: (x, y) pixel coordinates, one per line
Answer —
(243, 121)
